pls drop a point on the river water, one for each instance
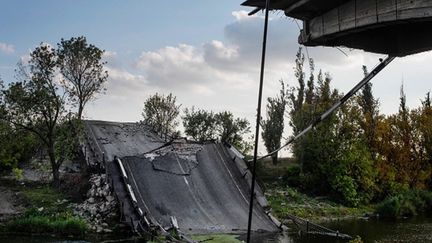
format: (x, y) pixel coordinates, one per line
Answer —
(414, 230)
(417, 229)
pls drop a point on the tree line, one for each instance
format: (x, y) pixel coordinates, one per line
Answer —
(357, 155)
(161, 113)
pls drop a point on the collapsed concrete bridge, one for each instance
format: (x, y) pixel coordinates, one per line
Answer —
(199, 188)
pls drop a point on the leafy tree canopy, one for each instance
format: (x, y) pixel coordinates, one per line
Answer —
(160, 113)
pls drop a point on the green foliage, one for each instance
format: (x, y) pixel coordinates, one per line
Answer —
(293, 176)
(334, 157)
(357, 239)
(18, 173)
(17, 146)
(286, 201)
(405, 148)
(408, 203)
(231, 130)
(200, 124)
(82, 68)
(286, 197)
(273, 126)
(66, 225)
(346, 187)
(43, 196)
(160, 113)
(204, 125)
(38, 103)
(47, 213)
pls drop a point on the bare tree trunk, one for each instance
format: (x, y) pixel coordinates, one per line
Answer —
(275, 158)
(80, 110)
(54, 167)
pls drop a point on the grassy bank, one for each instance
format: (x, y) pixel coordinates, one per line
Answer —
(47, 212)
(280, 184)
(286, 201)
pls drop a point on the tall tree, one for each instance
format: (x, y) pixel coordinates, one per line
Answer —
(298, 98)
(37, 104)
(83, 70)
(273, 126)
(310, 88)
(160, 113)
(369, 115)
(426, 134)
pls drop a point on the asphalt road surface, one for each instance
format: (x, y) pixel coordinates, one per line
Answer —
(200, 185)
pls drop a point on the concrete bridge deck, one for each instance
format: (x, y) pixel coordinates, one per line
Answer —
(204, 186)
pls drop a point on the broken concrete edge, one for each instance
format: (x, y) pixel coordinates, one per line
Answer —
(158, 148)
(238, 159)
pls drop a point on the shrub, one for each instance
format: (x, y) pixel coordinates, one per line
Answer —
(346, 188)
(406, 204)
(358, 239)
(292, 175)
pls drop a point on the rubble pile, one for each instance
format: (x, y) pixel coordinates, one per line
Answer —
(100, 207)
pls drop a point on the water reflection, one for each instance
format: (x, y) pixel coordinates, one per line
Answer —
(417, 229)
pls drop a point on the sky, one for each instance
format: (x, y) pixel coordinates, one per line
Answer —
(207, 53)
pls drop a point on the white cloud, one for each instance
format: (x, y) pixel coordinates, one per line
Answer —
(109, 54)
(223, 74)
(7, 48)
(219, 74)
(241, 15)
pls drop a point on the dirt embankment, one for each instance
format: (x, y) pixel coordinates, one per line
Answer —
(10, 204)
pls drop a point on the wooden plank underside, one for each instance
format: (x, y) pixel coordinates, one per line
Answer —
(364, 13)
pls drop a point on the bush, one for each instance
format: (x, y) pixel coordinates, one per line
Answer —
(346, 188)
(407, 204)
(292, 176)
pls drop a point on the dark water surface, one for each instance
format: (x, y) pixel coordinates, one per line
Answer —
(415, 230)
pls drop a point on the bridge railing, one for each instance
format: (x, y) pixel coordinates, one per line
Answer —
(93, 153)
(308, 227)
(144, 222)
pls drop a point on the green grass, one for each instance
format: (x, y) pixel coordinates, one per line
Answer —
(286, 201)
(47, 225)
(47, 213)
(44, 197)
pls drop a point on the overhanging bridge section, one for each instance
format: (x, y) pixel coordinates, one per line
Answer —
(392, 27)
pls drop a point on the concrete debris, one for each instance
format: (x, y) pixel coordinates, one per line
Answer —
(100, 205)
(186, 151)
